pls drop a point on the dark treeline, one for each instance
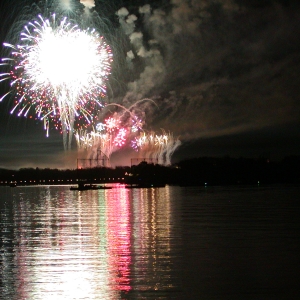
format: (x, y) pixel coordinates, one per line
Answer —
(197, 171)
(55, 176)
(226, 170)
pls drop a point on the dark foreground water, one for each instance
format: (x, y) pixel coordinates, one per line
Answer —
(159, 243)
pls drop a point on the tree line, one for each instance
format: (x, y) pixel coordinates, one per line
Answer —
(196, 171)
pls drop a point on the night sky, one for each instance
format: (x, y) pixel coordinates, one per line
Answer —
(224, 75)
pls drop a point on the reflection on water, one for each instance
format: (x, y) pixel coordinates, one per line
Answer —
(97, 244)
(157, 243)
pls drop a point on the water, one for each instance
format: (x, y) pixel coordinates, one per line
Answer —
(158, 243)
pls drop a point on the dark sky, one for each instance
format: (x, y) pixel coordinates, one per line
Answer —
(224, 74)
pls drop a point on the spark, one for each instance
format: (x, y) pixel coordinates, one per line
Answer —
(60, 71)
(112, 124)
(126, 128)
(120, 139)
(100, 127)
(159, 147)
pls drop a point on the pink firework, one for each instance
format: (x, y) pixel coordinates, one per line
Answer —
(120, 138)
(111, 124)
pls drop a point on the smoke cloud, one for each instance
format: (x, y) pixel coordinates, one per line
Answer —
(214, 67)
(65, 4)
(88, 3)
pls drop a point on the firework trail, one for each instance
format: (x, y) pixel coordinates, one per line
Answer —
(59, 71)
(172, 145)
(115, 132)
(155, 147)
(94, 147)
(98, 144)
(125, 128)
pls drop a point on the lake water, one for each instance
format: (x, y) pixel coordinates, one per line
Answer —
(156, 243)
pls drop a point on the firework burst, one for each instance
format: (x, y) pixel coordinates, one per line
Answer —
(60, 71)
(157, 147)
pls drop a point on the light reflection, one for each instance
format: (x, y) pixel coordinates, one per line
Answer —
(152, 232)
(118, 236)
(97, 244)
(62, 257)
